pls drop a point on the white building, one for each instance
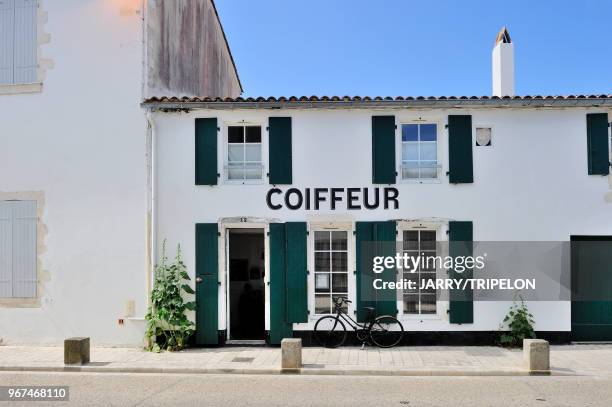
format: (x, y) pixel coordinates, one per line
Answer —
(235, 181)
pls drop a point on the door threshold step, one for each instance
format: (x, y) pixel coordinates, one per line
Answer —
(245, 342)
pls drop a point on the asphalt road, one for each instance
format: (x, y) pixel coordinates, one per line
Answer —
(106, 389)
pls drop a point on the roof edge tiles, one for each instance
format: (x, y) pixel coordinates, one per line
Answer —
(303, 102)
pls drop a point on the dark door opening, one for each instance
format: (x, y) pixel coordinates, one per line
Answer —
(246, 288)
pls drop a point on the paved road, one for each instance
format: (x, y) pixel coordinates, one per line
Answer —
(106, 389)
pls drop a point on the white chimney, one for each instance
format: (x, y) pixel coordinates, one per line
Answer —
(503, 65)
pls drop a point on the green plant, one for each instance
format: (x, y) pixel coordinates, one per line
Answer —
(519, 324)
(167, 324)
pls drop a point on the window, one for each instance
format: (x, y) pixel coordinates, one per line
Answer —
(331, 268)
(18, 42)
(420, 243)
(483, 136)
(18, 249)
(419, 151)
(244, 162)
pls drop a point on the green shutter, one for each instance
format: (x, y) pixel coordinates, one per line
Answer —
(383, 233)
(297, 272)
(206, 151)
(597, 141)
(383, 149)
(280, 150)
(461, 307)
(279, 327)
(460, 168)
(207, 290)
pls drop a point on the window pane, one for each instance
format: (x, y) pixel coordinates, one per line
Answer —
(235, 171)
(410, 132)
(428, 132)
(429, 169)
(235, 134)
(410, 169)
(321, 261)
(344, 304)
(235, 152)
(410, 151)
(253, 134)
(252, 152)
(429, 151)
(339, 262)
(424, 280)
(339, 240)
(322, 282)
(253, 171)
(411, 240)
(414, 278)
(428, 262)
(339, 282)
(411, 304)
(322, 240)
(322, 304)
(428, 304)
(428, 240)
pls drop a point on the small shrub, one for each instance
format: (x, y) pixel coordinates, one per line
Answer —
(168, 327)
(519, 324)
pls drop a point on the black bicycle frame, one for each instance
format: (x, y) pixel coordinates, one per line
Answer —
(341, 314)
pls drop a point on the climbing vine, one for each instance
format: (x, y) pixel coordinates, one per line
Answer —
(167, 324)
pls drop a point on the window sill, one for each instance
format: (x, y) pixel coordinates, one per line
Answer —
(22, 88)
(421, 181)
(19, 302)
(247, 182)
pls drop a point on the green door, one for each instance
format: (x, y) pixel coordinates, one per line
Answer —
(207, 284)
(591, 288)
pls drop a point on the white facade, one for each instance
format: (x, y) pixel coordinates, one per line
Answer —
(531, 184)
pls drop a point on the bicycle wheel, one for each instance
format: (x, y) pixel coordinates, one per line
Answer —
(329, 332)
(386, 331)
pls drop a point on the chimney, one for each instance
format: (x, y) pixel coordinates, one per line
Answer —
(503, 65)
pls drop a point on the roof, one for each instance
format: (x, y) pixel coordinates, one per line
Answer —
(329, 102)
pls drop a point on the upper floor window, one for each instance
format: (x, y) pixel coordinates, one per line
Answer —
(244, 153)
(421, 300)
(18, 42)
(419, 151)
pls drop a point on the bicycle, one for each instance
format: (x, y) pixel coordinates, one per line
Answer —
(384, 331)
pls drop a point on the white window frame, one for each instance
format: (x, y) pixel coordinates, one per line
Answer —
(332, 226)
(399, 148)
(440, 229)
(264, 153)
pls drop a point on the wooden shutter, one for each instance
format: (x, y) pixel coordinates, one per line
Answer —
(206, 151)
(383, 150)
(461, 306)
(279, 327)
(207, 290)
(597, 140)
(280, 156)
(368, 234)
(460, 167)
(297, 272)
(26, 41)
(7, 28)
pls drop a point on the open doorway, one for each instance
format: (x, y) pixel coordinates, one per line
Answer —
(246, 289)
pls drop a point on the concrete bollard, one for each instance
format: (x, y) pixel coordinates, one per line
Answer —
(536, 356)
(291, 350)
(76, 351)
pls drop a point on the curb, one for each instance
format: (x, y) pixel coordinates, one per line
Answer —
(278, 371)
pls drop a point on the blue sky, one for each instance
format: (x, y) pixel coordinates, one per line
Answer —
(412, 48)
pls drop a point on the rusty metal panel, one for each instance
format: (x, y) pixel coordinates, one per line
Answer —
(187, 54)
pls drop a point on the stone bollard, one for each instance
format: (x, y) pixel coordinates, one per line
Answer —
(76, 351)
(291, 350)
(536, 356)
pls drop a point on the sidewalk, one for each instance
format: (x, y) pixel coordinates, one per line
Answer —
(402, 361)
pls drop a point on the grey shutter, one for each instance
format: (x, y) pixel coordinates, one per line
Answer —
(7, 28)
(26, 42)
(18, 249)
(6, 250)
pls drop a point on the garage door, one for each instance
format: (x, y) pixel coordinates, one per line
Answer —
(591, 288)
